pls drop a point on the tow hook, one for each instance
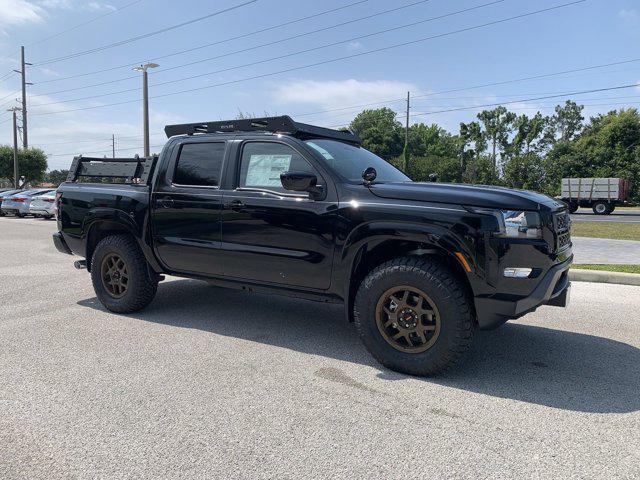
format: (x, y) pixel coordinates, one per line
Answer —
(80, 264)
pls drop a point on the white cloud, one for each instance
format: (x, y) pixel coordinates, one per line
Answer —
(630, 16)
(353, 46)
(331, 94)
(19, 12)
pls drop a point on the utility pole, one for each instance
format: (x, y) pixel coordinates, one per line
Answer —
(406, 139)
(23, 74)
(113, 145)
(15, 110)
(145, 102)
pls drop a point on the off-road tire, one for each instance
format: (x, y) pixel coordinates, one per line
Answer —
(141, 288)
(449, 296)
(604, 207)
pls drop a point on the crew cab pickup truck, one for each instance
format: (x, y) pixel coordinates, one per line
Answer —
(275, 206)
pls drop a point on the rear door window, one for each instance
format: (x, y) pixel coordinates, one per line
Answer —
(199, 164)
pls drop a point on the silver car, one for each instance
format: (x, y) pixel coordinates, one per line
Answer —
(43, 205)
(18, 204)
(7, 193)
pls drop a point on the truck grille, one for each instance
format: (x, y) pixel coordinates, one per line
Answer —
(562, 227)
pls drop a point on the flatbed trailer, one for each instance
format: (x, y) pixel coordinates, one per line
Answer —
(602, 195)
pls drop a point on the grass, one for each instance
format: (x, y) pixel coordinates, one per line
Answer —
(609, 268)
(618, 231)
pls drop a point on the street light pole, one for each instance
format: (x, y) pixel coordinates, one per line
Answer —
(15, 110)
(145, 102)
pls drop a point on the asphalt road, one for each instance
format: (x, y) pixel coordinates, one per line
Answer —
(619, 216)
(208, 383)
(605, 250)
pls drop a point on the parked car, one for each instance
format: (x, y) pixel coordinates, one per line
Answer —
(43, 205)
(6, 193)
(18, 204)
(280, 207)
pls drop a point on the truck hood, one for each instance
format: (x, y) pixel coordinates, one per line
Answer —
(463, 194)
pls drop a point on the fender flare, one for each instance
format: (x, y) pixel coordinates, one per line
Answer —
(113, 216)
(370, 235)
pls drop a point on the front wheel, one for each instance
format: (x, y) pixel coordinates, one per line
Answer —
(573, 207)
(120, 275)
(414, 316)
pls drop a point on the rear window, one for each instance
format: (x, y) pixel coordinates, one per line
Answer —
(200, 164)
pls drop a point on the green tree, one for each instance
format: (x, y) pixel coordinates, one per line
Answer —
(56, 176)
(380, 132)
(566, 123)
(472, 144)
(498, 124)
(32, 163)
(609, 146)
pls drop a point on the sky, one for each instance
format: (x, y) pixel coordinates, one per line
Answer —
(320, 62)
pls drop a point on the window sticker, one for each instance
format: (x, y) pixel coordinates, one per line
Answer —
(265, 170)
(321, 150)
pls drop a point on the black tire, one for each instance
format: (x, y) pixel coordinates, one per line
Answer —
(612, 208)
(601, 208)
(20, 215)
(447, 294)
(140, 289)
(573, 207)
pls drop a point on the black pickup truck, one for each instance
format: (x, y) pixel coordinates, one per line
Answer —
(272, 205)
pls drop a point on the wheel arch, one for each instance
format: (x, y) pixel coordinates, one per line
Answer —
(101, 224)
(384, 242)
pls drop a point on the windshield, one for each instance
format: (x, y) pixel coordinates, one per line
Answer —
(349, 161)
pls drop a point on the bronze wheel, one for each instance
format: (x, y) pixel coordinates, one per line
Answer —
(408, 319)
(114, 274)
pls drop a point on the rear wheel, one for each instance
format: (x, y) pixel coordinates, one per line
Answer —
(120, 275)
(601, 208)
(414, 316)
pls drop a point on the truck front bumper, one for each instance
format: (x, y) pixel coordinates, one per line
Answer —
(553, 289)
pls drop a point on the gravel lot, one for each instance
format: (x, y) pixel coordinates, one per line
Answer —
(208, 383)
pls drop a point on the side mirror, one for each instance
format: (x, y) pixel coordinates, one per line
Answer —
(301, 182)
(369, 175)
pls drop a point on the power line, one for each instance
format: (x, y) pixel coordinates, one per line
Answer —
(75, 27)
(100, 151)
(262, 30)
(324, 62)
(140, 37)
(546, 97)
(275, 42)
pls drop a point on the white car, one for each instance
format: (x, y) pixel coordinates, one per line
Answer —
(44, 205)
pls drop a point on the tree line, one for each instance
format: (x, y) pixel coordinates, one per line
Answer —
(502, 148)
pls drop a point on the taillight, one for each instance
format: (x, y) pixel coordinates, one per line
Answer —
(18, 199)
(49, 200)
(57, 206)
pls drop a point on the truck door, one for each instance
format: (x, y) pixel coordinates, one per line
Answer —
(272, 235)
(186, 207)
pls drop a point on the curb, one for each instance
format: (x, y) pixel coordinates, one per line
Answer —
(600, 276)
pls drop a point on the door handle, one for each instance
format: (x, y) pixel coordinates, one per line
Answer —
(235, 205)
(164, 203)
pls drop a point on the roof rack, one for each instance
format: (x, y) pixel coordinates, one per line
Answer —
(283, 124)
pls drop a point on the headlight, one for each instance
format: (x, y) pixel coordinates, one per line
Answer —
(520, 224)
(516, 223)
